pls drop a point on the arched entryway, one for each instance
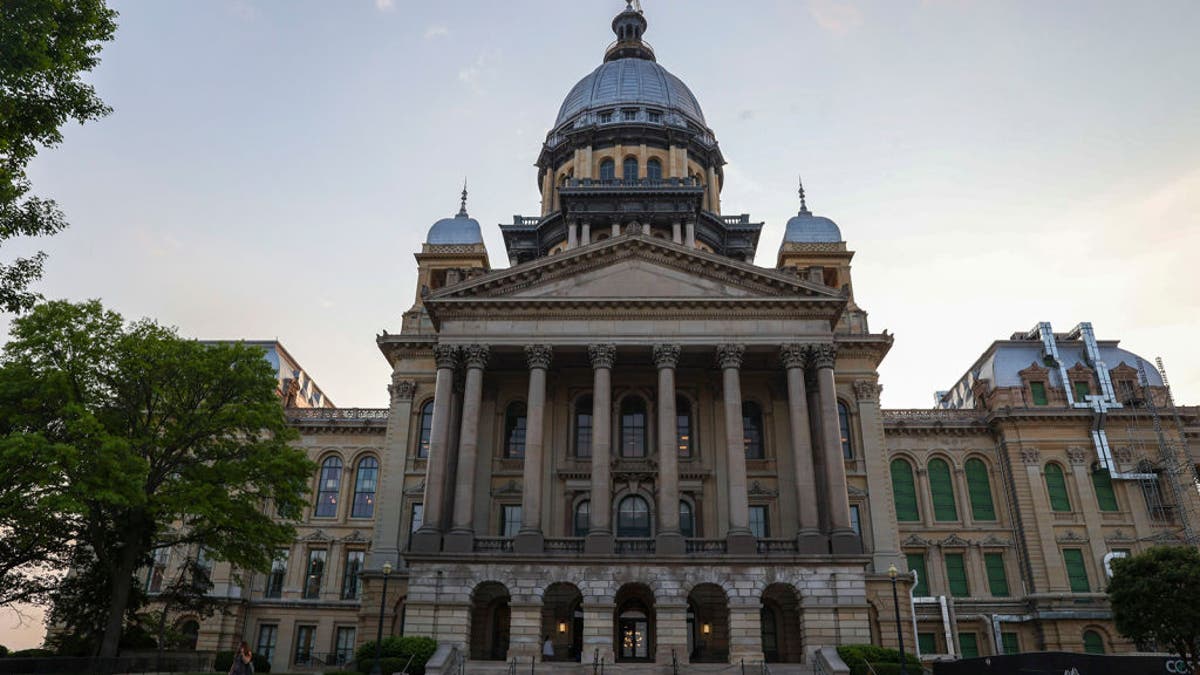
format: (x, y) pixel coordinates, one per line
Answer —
(189, 634)
(708, 621)
(562, 621)
(780, 619)
(633, 624)
(490, 615)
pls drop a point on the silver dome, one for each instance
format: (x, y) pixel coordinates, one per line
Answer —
(630, 81)
(460, 229)
(804, 227)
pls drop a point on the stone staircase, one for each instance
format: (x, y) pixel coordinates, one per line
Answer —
(538, 668)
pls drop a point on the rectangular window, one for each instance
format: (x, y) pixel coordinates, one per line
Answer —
(1038, 391)
(278, 573)
(969, 644)
(606, 117)
(916, 563)
(855, 523)
(1076, 571)
(956, 575)
(997, 579)
(267, 633)
(418, 517)
(760, 526)
(629, 115)
(1126, 391)
(351, 584)
(306, 637)
(655, 116)
(927, 643)
(1082, 390)
(158, 569)
(510, 520)
(343, 646)
(1010, 643)
(316, 571)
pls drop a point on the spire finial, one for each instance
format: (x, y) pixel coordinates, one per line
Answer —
(462, 209)
(803, 205)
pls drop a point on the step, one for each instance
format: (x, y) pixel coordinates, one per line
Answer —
(501, 668)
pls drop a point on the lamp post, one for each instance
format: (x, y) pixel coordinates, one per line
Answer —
(387, 571)
(892, 572)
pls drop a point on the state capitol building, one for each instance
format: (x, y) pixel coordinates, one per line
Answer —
(637, 442)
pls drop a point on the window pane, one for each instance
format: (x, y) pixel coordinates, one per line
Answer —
(426, 430)
(855, 523)
(328, 487)
(752, 429)
(904, 491)
(1056, 485)
(1093, 643)
(844, 425)
(418, 517)
(687, 522)
(582, 518)
(305, 640)
(1082, 390)
(1105, 496)
(351, 584)
(633, 427)
(630, 169)
(316, 571)
(956, 575)
(916, 563)
(980, 490)
(759, 523)
(583, 427)
(344, 645)
(969, 644)
(683, 426)
(1010, 643)
(997, 579)
(633, 518)
(364, 488)
(942, 490)
(608, 168)
(654, 169)
(927, 642)
(1038, 390)
(266, 640)
(278, 573)
(1076, 570)
(510, 521)
(514, 431)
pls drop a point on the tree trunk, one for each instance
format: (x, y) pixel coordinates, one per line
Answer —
(122, 581)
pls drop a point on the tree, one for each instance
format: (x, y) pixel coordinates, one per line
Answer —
(159, 441)
(45, 46)
(1153, 596)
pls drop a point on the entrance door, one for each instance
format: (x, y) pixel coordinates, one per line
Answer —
(635, 638)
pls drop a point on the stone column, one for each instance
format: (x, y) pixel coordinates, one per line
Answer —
(739, 540)
(677, 232)
(586, 237)
(429, 537)
(841, 536)
(531, 538)
(690, 238)
(571, 241)
(386, 546)
(461, 538)
(616, 230)
(669, 540)
(600, 535)
(809, 539)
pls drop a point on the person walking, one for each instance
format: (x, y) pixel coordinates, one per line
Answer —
(243, 661)
(547, 649)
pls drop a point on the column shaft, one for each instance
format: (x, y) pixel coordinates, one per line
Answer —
(670, 541)
(842, 536)
(462, 537)
(531, 539)
(571, 242)
(809, 535)
(739, 539)
(429, 536)
(600, 535)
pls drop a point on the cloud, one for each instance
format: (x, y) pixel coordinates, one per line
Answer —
(475, 73)
(838, 17)
(385, 5)
(436, 31)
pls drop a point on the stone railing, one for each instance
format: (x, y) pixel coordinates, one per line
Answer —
(493, 544)
(336, 414)
(777, 546)
(605, 183)
(564, 544)
(706, 546)
(632, 546)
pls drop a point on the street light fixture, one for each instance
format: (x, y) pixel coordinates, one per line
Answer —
(892, 572)
(376, 669)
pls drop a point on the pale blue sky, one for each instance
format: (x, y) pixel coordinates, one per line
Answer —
(271, 166)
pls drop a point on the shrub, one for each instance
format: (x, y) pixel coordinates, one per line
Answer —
(32, 653)
(395, 647)
(224, 660)
(387, 666)
(3, 651)
(858, 656)
(341, 672)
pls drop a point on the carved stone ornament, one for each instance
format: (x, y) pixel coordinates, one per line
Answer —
(446, 356)
(793, 356)
(355, 536)
(1031, 456)
(476, 356)
(1124, 454)
(1070, 537)
(995, 542)
(539, 356)
(416, 490)
(402, 390)
(1077, 455)
(915, 541)
(316, 535)
(730, 355)
(602, 355)
(512, 487)
(866, 390)
(822, 356)
(954, 541)
(666, 355)
(758, 490)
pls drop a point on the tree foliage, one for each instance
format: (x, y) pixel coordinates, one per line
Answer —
(45, 47)
(147, 439)
(1154, 598)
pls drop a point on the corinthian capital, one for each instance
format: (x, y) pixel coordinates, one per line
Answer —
(446, 356)
(866, 390)
(602, 355)
(793, 356)
(730, 355)
(538, 356)
(666, 355)
(476, 356)
(822, 356)
(402, 390)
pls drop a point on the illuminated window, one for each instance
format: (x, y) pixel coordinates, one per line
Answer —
(683, 426)
(844, 427)
(328, 488)
(514, 430)
(752, 430)
(426, 430)
(364, 488)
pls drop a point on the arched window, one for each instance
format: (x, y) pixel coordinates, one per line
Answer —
(633, 517)
(752, 430)
(426, 430)
(189, 634)
(844, 426)
(904, 491)
(942, 490)
(1093, 642)
(683, 426)
(654, 169)
(633, 427)
(328, 487)
(514, 430)
(583, 426)
(582, 518)
(608, 170)
(629, 169)
(979, 489)
(1105, 496)
(1056, 486)
(687, 520)
(364, 488)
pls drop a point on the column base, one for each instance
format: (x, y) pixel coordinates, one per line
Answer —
(741, 543)
(530, 541)
(845, 542)
(812, 542)
(670, 543)
(459, 541)
(599, 543)
(427, 541)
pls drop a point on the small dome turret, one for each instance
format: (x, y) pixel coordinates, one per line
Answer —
(461, 229)
(806, 228)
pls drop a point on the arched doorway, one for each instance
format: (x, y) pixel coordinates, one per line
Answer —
(633, 624)
(562, 620)
(780, 619)
(708, 611)
(189, 634)
(489, 622)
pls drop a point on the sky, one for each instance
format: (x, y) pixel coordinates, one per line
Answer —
(271, 166)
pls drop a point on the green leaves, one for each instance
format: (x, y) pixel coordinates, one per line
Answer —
(1153, 596)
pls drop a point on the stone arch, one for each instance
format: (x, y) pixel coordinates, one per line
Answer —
(490, 617)
(781, 624)
(634, 629)
(562, 620)
(708, 624)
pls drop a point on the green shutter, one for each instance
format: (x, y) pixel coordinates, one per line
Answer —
(997, 580)
(916, 563)
(904, 490)
(927, 642)
(1082, 390)
(956, 575)
(1076, 571)
(942, 491)
(1038, 389)
(1056, 485)
(1010, 643)
(980, 490)
(1102, 481)
(1093, 643)
(969, 644)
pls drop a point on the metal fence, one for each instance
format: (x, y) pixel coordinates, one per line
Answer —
(133, 664)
